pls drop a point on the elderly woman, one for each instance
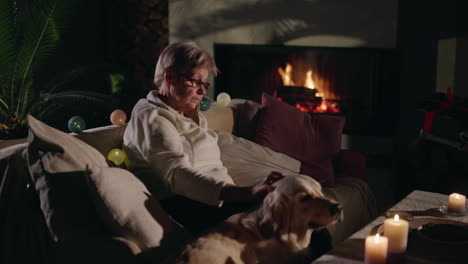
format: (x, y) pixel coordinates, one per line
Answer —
(174, 152)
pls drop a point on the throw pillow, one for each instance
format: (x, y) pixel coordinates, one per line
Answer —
(57, 163)
(219, 118)
(246, 120)
(248, 162)
(311, 139)
(125, 205)
(104, 138)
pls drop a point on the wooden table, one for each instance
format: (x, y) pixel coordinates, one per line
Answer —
(424, 206)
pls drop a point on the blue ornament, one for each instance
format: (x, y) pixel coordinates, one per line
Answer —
(76, 124)
(205, 104)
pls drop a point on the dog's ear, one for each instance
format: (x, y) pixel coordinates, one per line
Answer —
(275, 216)
(304, 197)
(262, 219)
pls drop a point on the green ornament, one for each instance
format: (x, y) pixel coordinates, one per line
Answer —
(205, 104)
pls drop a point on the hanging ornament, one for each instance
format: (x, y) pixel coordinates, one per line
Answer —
(118, 117)
(117, 156)
(205, 104)
(223, 99)
(76, 124)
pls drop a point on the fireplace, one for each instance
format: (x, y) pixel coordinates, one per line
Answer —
(359, 83)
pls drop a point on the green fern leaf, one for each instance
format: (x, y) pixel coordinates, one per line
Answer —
(73, 100)
(7, 48)
(4, 104)
(40, 36)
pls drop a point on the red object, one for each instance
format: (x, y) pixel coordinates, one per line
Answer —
(350, 162)
(118, 117)
(428, 118)
(311, 139)
(441, 105)
(450, 97)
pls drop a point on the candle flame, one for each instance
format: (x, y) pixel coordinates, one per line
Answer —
(396, 217)
(376, 238)
(457, 195)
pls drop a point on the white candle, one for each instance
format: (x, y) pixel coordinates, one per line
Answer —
(456, 203)
(396, 230)
(376, 250)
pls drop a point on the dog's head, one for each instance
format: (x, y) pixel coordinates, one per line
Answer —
(297, 205)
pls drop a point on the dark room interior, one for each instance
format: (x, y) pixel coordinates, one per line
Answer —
(395, 71)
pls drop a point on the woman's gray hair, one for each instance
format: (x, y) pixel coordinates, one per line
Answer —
(182, 58)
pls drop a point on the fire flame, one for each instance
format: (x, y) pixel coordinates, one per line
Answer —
(325, 106)
(309, 83)
(286, 75)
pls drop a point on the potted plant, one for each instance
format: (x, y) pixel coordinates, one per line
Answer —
(30, 32)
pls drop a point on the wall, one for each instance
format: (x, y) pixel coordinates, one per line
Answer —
(420, 27)
(127, 35)
(452, 62)
(413, 27)
(335, 23)
(137, 32)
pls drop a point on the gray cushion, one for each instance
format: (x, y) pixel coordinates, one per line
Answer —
(80, 195)
(58, 165)
(103, 138)
(125, 205)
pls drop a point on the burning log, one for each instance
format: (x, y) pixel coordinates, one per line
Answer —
(293, 94)
(305, 98)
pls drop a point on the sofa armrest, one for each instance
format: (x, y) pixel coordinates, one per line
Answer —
(351, 163)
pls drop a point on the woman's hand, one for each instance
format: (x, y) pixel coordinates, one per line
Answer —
(232, 193)
(261, 189)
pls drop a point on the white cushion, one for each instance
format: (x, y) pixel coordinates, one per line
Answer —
(248, 162)
(220, 118)
(127, 207)
(60, 152)
(57, 163)
(103, 138)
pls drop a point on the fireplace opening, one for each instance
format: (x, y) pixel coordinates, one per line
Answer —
(307, 96)
(359, 83)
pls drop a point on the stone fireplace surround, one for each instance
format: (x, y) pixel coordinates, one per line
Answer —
(319, 23)
(362, 81)
(324, 23)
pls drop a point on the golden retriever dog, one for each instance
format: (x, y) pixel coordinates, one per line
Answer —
(279, 230)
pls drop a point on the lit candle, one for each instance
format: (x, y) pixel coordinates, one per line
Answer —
(456, 203)
(376, 250)
(396, 230)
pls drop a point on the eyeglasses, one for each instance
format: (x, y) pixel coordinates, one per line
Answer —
(197, 83)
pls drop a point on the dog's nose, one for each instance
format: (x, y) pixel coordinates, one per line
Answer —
(335, 209)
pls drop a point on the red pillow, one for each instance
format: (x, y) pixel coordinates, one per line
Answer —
(247, 116)
(311, 139)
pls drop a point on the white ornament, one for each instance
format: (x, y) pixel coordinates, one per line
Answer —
(223, 99)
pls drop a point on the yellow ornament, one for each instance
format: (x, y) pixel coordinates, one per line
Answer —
(223, 99)
(117, 156)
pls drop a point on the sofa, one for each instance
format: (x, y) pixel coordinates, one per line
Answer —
(31, 234)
